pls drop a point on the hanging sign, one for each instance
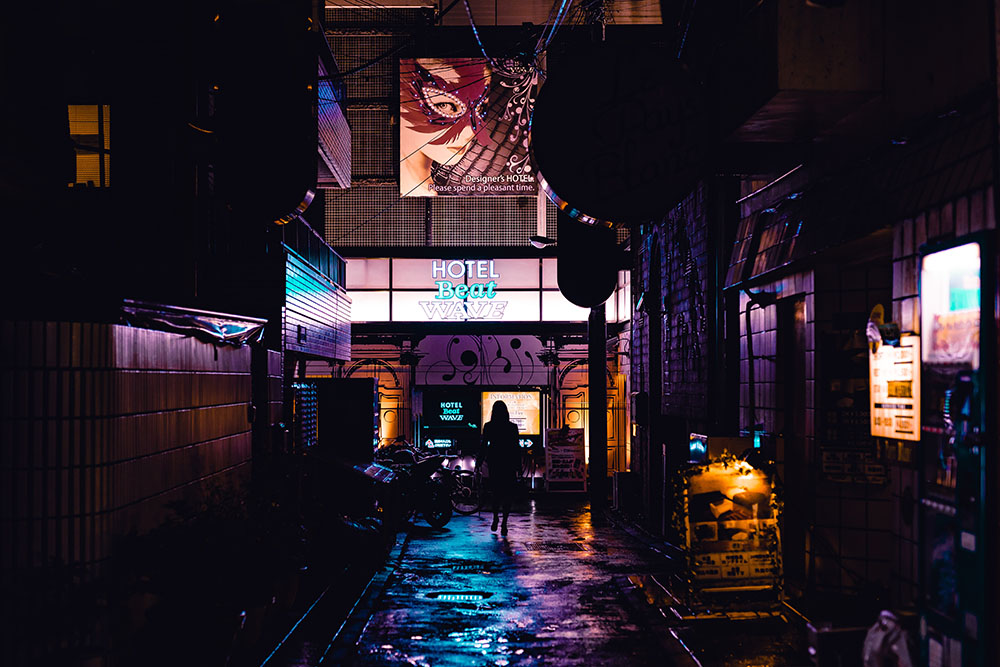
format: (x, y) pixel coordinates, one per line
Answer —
(894, 399)
(619, 132)
(464, 127)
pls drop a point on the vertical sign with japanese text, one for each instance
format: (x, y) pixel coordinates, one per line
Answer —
(565, 465)
(894, 376)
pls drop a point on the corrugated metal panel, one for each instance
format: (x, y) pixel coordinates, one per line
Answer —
(334, 134)
(107, 425)
(317, 314)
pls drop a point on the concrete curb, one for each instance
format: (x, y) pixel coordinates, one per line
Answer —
(675, 650)
(341, 649)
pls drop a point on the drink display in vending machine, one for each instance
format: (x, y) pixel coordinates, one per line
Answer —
(957, 358)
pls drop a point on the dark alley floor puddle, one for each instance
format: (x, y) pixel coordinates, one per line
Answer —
(547, 598)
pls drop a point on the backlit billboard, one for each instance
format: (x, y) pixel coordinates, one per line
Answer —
(463, 127)
(524, 408)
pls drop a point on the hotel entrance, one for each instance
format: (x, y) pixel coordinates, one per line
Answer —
(450, 421)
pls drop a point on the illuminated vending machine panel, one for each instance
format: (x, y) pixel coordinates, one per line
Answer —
(952, 569)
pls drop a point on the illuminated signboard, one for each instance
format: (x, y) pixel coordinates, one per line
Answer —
(451, 410)
(524, 408)
(463, 128)
(697, 447)
(565, 460)
(731, 526)
(894, 376)
(949, 306)
(418, 289)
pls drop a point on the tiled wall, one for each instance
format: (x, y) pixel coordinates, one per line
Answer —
(850, 545)
(101, 426)
(685, 309)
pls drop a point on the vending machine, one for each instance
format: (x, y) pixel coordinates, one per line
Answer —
(957, 549)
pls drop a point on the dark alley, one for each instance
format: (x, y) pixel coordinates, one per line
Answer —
(302, 298)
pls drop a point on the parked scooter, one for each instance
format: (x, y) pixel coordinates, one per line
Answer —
(423, 489)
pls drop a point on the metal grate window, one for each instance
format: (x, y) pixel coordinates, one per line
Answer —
(380, 79)
(374, 143)
(370, 16)
(374, 215)
(551, 217)
(489, 221)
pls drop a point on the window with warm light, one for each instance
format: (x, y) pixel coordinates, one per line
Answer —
(90, 131)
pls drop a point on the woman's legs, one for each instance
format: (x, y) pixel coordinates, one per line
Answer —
(496, 492)
(506, 493)
(506, 512)
(503, 491)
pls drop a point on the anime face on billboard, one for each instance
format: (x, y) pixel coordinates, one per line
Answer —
(456, 114)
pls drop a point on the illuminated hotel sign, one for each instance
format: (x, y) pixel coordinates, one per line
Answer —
(453, 290)
(465, 300)
(452, 410)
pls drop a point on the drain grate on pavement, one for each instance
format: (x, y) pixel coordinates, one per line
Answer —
(458, 596)
(479, 567)
(553, 546)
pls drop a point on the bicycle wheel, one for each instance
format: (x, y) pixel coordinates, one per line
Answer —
(466, 497)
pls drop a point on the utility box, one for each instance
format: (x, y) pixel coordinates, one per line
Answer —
(347, 424)
(624, 491)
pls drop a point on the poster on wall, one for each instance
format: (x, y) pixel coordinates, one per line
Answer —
(463, 127)
(894, 377)
(565, 466)
(523, 406)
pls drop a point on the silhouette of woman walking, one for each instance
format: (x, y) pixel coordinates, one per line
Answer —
(503, 457)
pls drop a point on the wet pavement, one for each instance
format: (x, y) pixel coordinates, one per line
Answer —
(555, 591)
